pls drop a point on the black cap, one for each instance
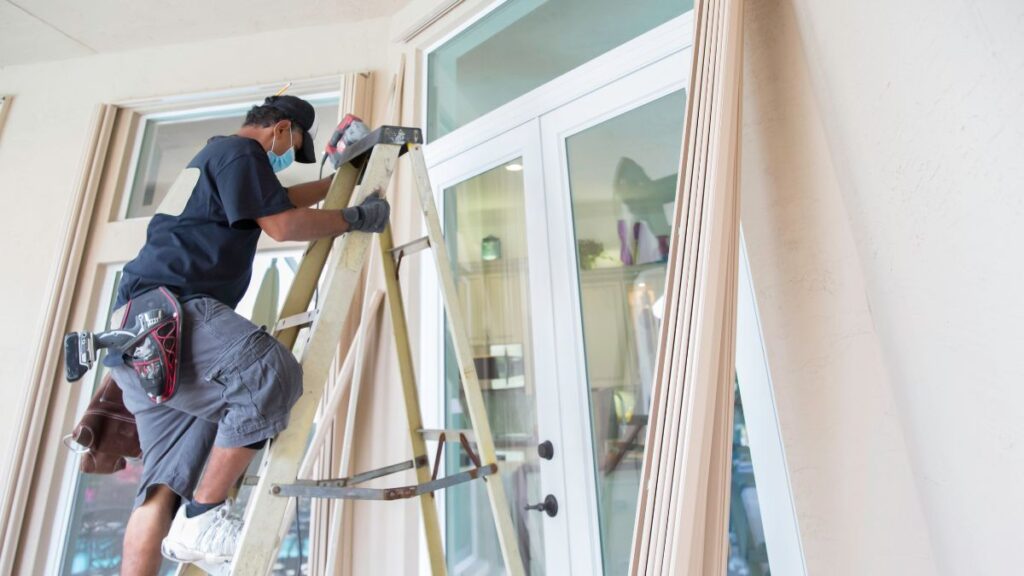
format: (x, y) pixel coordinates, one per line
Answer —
(299, 112)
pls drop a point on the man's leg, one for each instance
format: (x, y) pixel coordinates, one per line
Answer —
(202, 531)
(147, 526)
(223, 469)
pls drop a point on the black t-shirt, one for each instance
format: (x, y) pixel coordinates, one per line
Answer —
(208, 249)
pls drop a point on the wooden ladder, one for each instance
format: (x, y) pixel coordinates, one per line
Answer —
(367, 167)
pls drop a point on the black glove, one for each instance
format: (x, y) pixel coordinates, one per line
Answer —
(370, 216)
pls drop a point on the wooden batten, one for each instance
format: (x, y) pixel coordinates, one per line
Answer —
(682, 513)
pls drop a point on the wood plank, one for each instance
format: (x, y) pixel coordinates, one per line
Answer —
(682, 508)
(410, 392)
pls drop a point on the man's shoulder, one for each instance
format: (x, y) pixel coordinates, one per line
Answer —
(222, 150)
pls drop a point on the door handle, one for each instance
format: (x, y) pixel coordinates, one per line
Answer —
(546, 450)
(549, 506)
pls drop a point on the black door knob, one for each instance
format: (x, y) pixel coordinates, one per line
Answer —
(549, 505)
(546, 450)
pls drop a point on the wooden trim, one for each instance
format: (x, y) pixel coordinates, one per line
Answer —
(428, 20)
(5, 109)
(682, 513)
(33, 417)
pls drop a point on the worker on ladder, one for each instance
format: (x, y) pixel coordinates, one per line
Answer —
(232, 384)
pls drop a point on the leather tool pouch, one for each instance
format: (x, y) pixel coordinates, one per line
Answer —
(106, 436)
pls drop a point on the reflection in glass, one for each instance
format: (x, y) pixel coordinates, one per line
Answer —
(484, 230)
(748, 554)
(523, 44)
(169, 142)
(622, 177)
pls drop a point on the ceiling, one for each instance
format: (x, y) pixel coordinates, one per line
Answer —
(40, 30)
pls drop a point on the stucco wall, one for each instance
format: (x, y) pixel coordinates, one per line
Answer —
(922, 107)
(853, 488)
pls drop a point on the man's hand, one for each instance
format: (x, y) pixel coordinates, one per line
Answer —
(370, 216)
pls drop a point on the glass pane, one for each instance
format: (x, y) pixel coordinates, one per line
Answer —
(484, 226)
(526, 43)
(169, 143)
(622, 177)
(103, 503)
(748, 554)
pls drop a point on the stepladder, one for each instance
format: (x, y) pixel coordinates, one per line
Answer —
(332, 268)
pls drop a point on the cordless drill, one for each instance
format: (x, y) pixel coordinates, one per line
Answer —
(350, 130)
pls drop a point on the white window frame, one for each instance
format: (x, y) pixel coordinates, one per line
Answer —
(767, 451)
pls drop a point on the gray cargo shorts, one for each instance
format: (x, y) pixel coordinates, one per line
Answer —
(236, 386)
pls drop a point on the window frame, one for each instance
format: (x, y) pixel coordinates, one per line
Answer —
(771, 469)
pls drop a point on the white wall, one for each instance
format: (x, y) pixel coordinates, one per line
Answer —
(922, 107)
(853, 488)
(47, 130)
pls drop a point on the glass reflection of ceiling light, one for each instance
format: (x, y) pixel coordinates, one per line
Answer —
(515, 167)
(658, 309)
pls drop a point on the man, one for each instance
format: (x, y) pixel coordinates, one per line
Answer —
(236, 384)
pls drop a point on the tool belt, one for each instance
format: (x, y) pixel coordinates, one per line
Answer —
(153, 352)
(106, 436)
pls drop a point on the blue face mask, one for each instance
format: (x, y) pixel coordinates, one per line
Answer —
(282, 161)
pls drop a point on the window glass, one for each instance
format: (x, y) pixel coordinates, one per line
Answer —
(622, 178)
(525, 43)
(486, 241)
(748, 553)
(103, 503)
(170, 141)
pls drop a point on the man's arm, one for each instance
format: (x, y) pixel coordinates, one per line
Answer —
(303, 223)
(309, 193)
(310, 224)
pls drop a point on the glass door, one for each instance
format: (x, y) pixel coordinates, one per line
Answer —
(611, 163)
(492, 210)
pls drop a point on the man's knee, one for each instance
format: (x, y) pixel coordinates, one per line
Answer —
(161, 498)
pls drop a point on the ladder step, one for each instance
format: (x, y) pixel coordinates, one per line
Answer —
(359, 151)
(401, 492)
(356, 479)
(450, 434)
(410, 248)
(305, 319)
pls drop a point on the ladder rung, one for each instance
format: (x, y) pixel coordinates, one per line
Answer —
(450, 434)
(356, 479)
(304, 319)
(349, 493)
(410, 247)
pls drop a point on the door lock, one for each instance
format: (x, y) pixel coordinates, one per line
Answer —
(549, 506)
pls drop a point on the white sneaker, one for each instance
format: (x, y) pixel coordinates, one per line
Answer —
(209, 537)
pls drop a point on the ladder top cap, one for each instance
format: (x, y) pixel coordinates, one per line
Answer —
(390, 135)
